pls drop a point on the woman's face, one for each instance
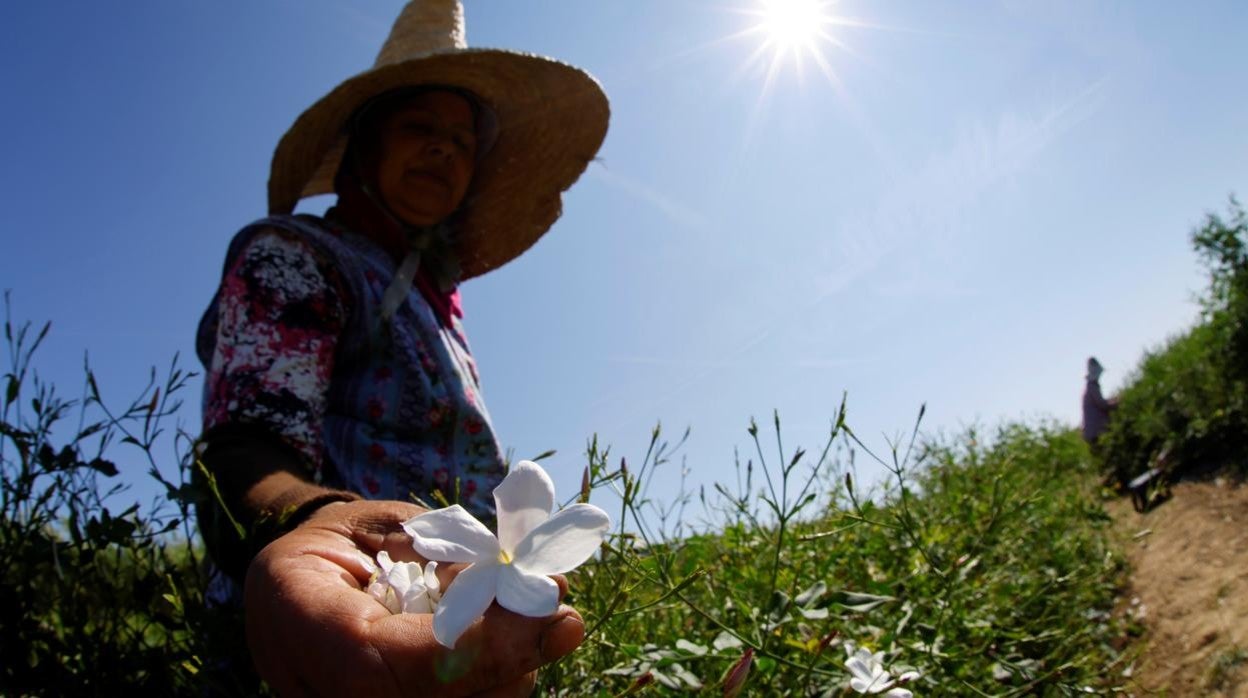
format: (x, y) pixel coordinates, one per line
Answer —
(425, 156)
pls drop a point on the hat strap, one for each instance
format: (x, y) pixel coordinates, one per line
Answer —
(432, 246)
(401, 285)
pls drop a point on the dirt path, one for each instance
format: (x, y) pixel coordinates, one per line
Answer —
(1189, 588)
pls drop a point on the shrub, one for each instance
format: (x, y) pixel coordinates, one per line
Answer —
(95, 601)
(1189, 398)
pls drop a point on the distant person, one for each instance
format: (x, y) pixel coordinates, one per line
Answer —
(1096, 409)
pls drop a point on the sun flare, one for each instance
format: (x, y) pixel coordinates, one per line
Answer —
(792, 24)
(794, 32)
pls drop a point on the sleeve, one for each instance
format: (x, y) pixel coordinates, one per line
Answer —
(281, 309)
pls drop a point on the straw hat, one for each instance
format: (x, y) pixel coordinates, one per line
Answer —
(552, 118)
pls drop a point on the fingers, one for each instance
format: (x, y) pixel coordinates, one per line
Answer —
(368, 527)
(399, 545)
(313, 629)
(491, 653)
(562, 581)
(560, 638)
(307, 626)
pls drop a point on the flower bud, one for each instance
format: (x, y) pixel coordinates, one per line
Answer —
(642, 681)
(734, 681)
(827, 640)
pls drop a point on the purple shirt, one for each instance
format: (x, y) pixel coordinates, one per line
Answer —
(1095, 411)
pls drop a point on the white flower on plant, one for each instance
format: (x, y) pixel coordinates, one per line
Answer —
(514, 566)
(403, 587)
(868, 675)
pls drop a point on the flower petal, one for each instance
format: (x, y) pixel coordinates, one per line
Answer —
(431, 579)
(416, 600)
(860, 667)
(451, 535)
(385, 561)
(563, 541)
(523, 499)
(899, 693)
(859, 684)
(532, 595)
(465, 600)
(385, 596)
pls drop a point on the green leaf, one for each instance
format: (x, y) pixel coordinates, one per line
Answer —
(103, 466)
(778, 605)
(90, 430)
(10, 393)
(47, 457)
(765, 665)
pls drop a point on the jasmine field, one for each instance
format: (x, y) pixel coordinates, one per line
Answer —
(981, 566)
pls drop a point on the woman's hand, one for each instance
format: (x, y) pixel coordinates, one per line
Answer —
(314, 631)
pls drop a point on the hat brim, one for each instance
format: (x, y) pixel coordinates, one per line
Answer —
(552, 118)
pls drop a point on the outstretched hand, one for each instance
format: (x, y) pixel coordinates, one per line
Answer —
(313, 630)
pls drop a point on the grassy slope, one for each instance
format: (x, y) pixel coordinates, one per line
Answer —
(992, 574)
(983, 565)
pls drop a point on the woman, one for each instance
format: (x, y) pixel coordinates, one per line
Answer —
(1096, 409)
(338, 370)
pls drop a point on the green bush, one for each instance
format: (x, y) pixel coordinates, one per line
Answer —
(96, 602)
(1189, 398)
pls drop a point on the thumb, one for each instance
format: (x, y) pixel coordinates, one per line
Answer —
(497, 650)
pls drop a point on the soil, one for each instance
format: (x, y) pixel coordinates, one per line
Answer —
(1189, 589)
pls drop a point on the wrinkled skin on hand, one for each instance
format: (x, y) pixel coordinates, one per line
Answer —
(314, 631)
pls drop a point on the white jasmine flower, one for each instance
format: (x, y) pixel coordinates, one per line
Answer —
(868, 675)
(514, 566)
(403, 587)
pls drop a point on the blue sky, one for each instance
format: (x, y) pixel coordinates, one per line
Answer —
(979, 196)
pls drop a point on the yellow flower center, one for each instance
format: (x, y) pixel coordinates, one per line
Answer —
(504, 557)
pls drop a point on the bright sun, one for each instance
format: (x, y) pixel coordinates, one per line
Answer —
(794, 31)
(792, 24)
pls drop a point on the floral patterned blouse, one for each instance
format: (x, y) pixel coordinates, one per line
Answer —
(294, 341)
